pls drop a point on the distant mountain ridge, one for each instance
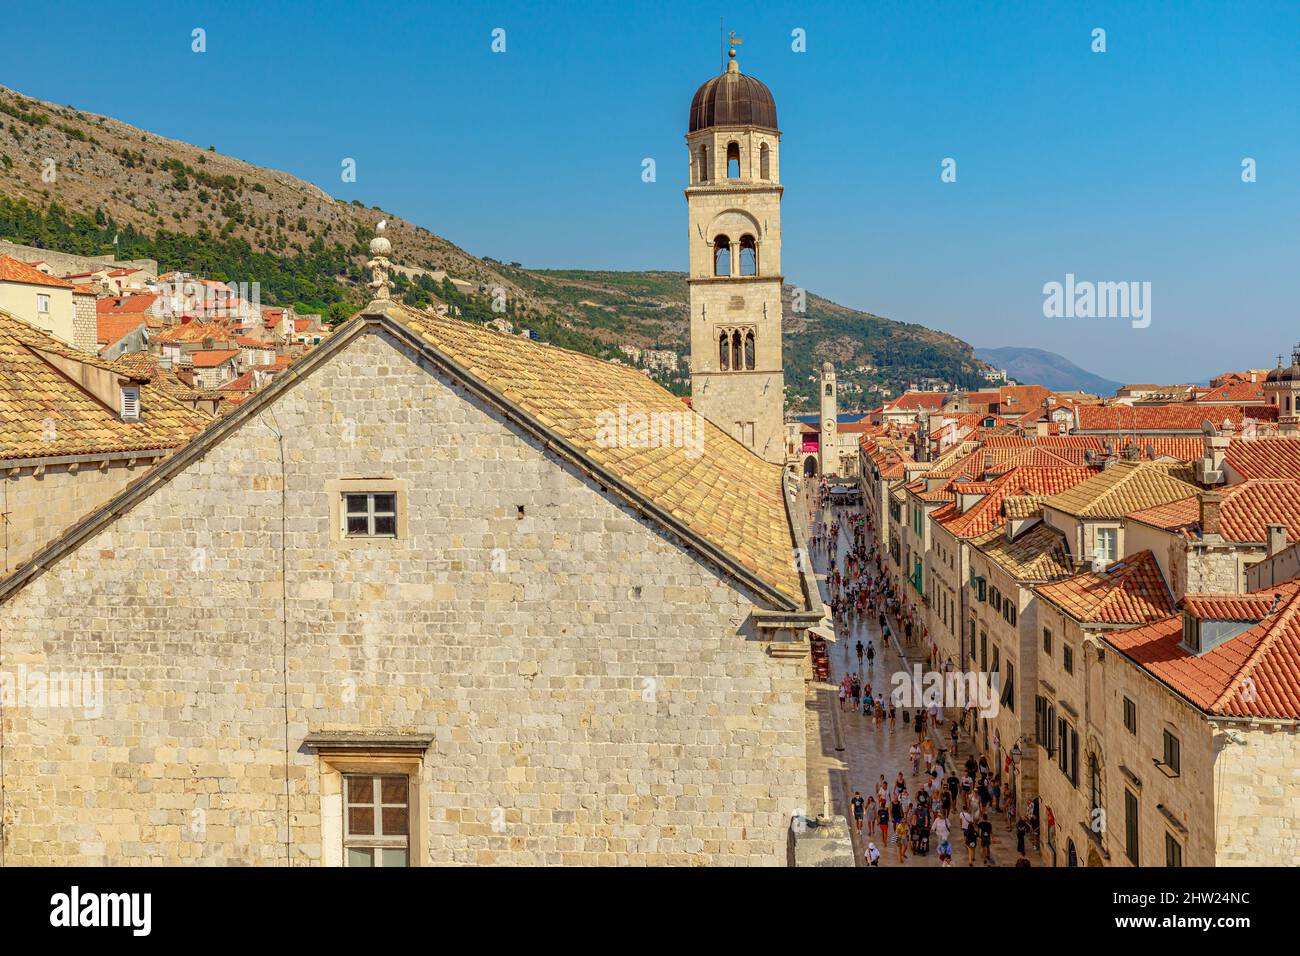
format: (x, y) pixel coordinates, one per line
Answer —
(78, 182)
(1040, 367)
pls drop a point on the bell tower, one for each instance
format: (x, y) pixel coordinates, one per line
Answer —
(828, 402)
(734, 205)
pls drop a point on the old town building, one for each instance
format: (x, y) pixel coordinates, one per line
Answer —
(423, 572)
(76, 430)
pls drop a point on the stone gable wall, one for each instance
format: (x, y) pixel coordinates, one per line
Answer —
(587, 683)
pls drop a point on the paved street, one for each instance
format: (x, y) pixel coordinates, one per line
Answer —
(870, 751)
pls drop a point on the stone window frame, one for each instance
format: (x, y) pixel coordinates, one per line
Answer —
(334, 766)
(336, 488)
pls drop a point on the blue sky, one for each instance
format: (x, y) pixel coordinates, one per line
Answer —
(1115, 166)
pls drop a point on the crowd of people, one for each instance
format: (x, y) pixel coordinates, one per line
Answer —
(944, 802)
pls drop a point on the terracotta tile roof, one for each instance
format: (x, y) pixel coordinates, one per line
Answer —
(1246, 393)
(1038, 554)
(1244, 513)
(111, 328)
(213, 358)
(1017, 507)
(986, 513)
(1036, 456)
(11, 270)
(1255, 674)
(126, 304)
(726, 494)
(917, 401)
(243, 383)
(43, 413)
(146, 364)
(1125, 487)
(1181, 417)
(1177, 447)
(193, 332)
(1131, 591)
(1021, 398)
(1265, 458)
(1229, 607)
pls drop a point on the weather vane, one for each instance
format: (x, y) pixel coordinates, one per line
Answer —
(734, 40)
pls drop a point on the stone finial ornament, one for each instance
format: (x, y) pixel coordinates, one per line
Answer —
(381, 284)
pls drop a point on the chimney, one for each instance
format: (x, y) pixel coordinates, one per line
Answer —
(1276, 539)
(1210, 503)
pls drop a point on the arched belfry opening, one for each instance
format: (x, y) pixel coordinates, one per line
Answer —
(722, 256)
(733, 160)
(748, 256)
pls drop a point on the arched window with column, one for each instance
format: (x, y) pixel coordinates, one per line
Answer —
(749, 350)
(703, 173)
(764, 162)
(733, 160)
(748, 256)
(724, 351)
(737, 351)
(722, 256)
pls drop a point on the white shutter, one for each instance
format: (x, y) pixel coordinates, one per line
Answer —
(130, 404)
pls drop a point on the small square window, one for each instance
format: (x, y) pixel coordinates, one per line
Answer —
(1130, 716)
(1047, 641)
(1067, 658)
(43, 304)
(370, 515)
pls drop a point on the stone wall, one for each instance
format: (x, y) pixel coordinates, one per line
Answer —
(39, 507)
(595, 693)
(65, 262)
(85, 323)
(1258, 785)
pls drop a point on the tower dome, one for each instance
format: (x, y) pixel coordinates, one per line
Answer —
(733, 99)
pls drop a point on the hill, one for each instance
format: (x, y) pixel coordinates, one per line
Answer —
(82, 183)
(1040, 367)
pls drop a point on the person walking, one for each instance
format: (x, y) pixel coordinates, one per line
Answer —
(903, 833)
(985, 828)
(859, 809)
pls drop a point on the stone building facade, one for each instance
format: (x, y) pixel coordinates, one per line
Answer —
(543, 672)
